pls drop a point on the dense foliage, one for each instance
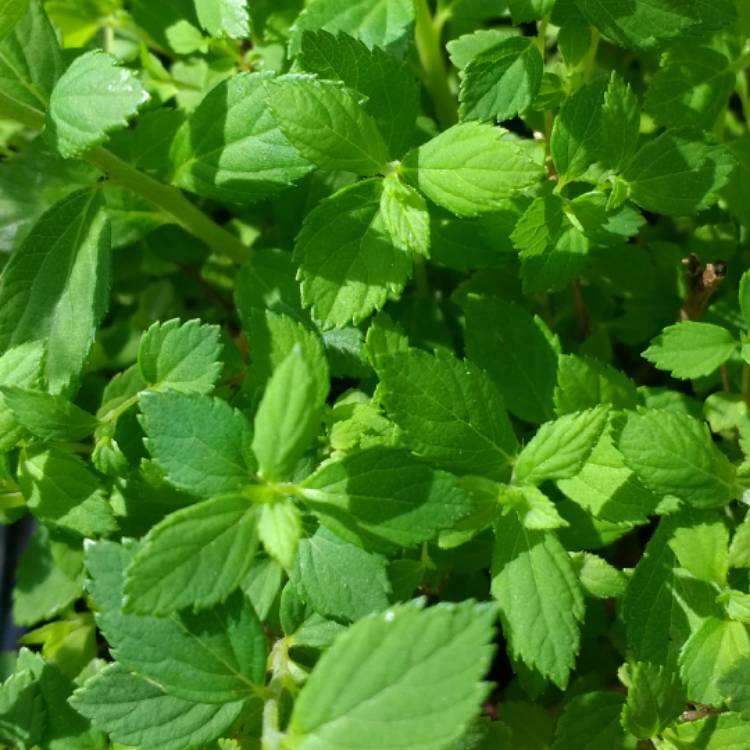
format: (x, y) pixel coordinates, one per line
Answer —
(376, 373)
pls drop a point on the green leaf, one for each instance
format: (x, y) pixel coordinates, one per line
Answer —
(465, 48)
(196, 557)
(524, 11)
(224, 18)
(436, 656)
(702, 548)
(724, 732)
(690, 349)
(391, 91)
(656, 698)
(404, 213)
(583, 383)
(540, 598)
(19, 366)
(598, 578)
(30, 58)
(472, 168)
(534, 509)
(384, 496)
(673, 454)
(577, 131)
(181, 357)
(348, 264)
(200, 443)
(708, 655)
(377, 23)
(326, 123)
(48, 417)
(450, 411)
(94, 96)
(61, 490)
(676, 172)
(280, 529)
(539, 227)
(734, 686)
(501, 82)
(515, 353)
(744, 295)
(135, 711)
(739, 550)
(620, 123)
(340, 580)
(287, 419)
(11, 12)
(239, 155)
(217, 656)
(590, 722)
(23, 715)
(55, 287)
(49, 578)
(560, 449)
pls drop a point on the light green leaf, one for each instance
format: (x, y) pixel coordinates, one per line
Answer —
(384, 496)
(200, 443)
(449, 410)
(472, 168)
(584, 383)
(702, 547)
(348, 264)
(677, 172)
(240, 156)
(515, 353)
(224, 18)
(539, 227)
(11, 12)
(656, 698)
(734, 686)
(739, 550)
(560, 449)
(590, 722)
(340, 580)
(287, 419)
(377, 23)
(404, 213)
(19, 366)
(465, 48)
(217, 656)
(501, 82)
(94, 96)
(541, 603)
(673, 454)
(327, 124)
(598, 577)
(30, 58)
(135, 711)
(196, 557)
(181, 357)
(709, 654)
(61, 490)
(280, 529)
(724, 732)
(534, 509)
(690, 349)
(56, 286)
(436, 657)
(391, 91)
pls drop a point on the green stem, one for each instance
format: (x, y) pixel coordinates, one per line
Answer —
(165, 197)
(435, 71)
(590, 59)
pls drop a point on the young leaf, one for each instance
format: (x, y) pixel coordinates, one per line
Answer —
(404, 213)
(390, 88)
(196, 557)
(739, 550)
(540, 598)
(533, 508)
(620, 125)
(471, 168)
(560, 449)
(280, 529)
(94, 96)
(449, 410)
(348, 263)
(287, 419)
(702, 547)
(515, 353)
(230, 148)
(327, 125)
(30, 59)
(56, 286)
(655, 700)
(135, 711)
(438, 656)
(690, 349)
(217, 656)
(224, 18)
(384, 496)
(673, 454)
(340, 580)
(598, 577)
(181, 357)
(589, 722)
(200, 443)
(502, 82)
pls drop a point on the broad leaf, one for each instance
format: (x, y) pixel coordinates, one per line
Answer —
(224, 18)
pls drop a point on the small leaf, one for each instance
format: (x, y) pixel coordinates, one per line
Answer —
(280, 529)
(224, 18)
(404, 213)
(48, 417)
(656, 698)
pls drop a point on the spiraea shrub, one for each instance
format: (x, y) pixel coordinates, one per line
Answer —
(374, 374)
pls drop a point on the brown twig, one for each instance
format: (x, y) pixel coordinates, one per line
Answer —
(702, 282)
